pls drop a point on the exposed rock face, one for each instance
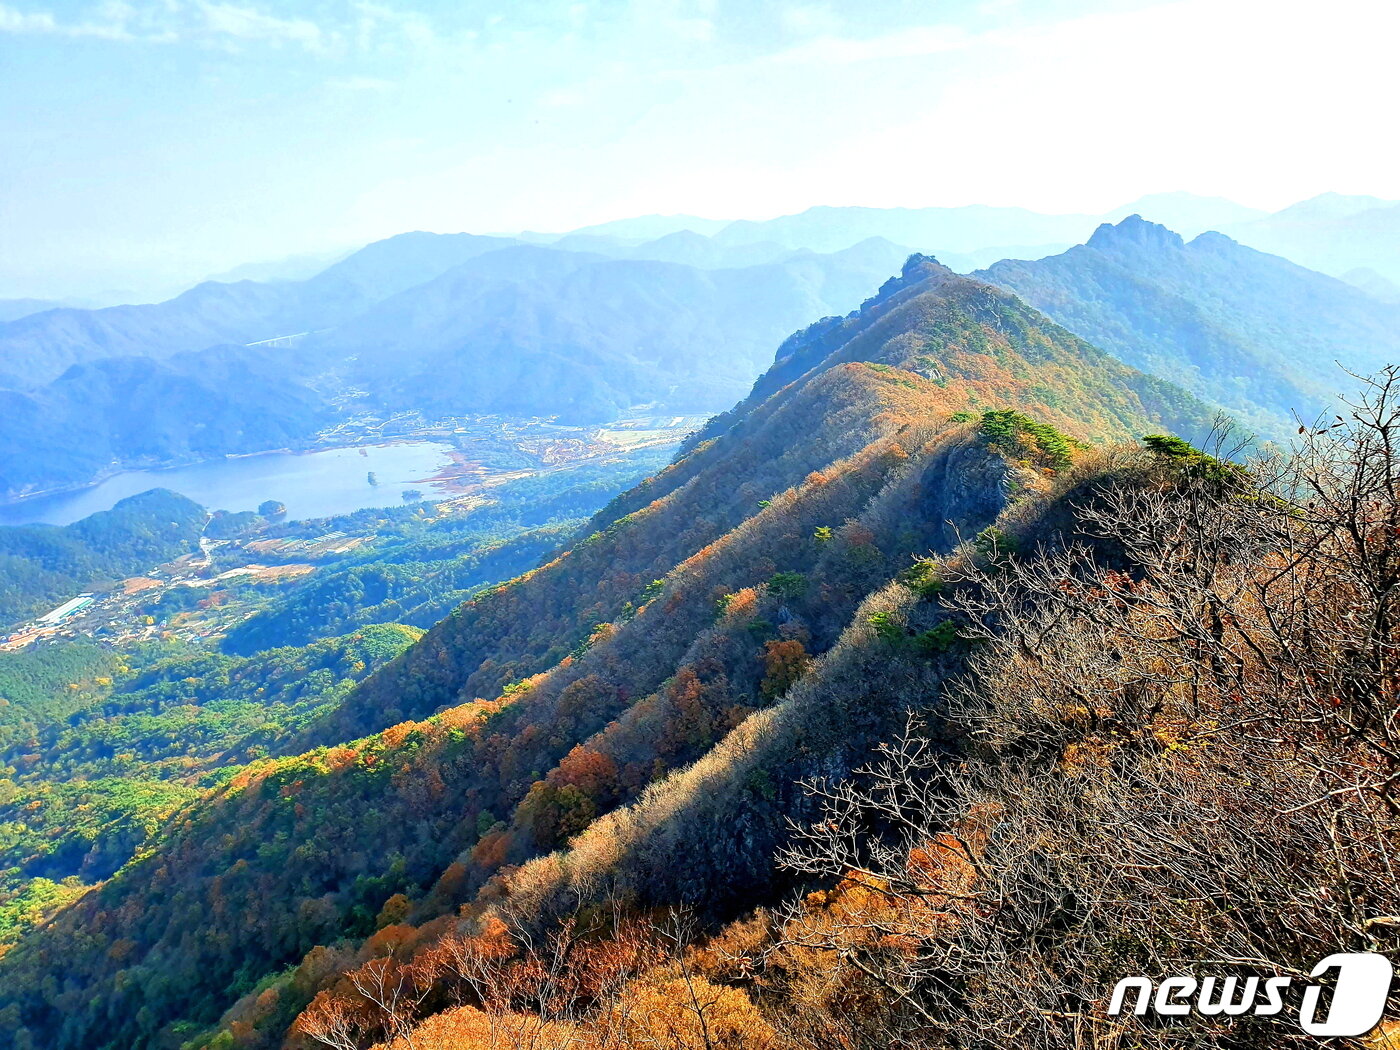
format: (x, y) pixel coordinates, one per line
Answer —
(1134, 234)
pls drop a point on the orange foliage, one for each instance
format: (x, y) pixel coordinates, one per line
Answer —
(467, 1028)
(340, 758)
(675, 1009)
(784, 661)
(394, 736)
(491, 852)
(592, 773)
(742, 603)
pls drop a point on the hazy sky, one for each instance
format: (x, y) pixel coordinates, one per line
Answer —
(145, 141)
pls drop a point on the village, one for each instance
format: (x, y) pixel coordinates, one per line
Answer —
(214, 597)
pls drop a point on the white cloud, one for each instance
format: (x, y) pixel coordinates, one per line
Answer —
(206, 22)
(12, 21)
(110, 23)
(250, 24)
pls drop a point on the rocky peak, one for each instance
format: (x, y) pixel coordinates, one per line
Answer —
(1134, 234)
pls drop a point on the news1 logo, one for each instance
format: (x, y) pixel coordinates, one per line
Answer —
(1359, 994)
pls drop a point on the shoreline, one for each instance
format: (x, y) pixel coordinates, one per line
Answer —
(14, 502)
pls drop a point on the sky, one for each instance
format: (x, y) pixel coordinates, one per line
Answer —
(145, 144)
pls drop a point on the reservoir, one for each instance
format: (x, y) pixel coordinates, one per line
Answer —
(311, 484)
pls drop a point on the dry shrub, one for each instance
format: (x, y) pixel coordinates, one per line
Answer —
(467, 1028)
(1178, 738)
(677, 1009)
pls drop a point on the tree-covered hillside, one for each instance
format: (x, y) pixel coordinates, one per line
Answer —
(81, 793)
(690, 611)
(43, 565)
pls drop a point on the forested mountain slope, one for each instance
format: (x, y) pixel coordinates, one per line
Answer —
(1252, 332)
(944, 342)
(691, 611)
(984, 344)
(91, 771)
(1123, 730)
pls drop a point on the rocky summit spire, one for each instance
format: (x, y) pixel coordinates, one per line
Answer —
(1132, 234)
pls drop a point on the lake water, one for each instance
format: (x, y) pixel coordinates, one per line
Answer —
(312, 484)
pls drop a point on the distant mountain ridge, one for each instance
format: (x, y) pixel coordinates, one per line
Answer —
(442, 324)
(953, 232)
(14, 309)
(131, 412)
(1187, 213)
(38, 348)
(535, 331)
(1331, 233)
(1250, 331)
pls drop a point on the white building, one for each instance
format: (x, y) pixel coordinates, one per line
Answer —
(67, 609)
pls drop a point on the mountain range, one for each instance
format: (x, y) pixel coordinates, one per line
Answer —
(14, 309)
(594, 324)
(38, 348)
(449, 324)
(1249, 331)
(536, 331)
(1332, 233)
(42, 340)
(954, 232)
